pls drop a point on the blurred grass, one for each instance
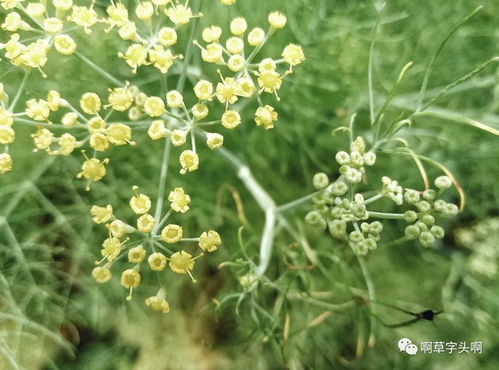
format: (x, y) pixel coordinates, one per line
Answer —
(56, 234)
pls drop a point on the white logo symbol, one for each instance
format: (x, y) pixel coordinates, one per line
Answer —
(406, 345)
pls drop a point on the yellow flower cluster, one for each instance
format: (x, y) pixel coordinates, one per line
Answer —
(152, 237)
(44, 26)
(151, 41)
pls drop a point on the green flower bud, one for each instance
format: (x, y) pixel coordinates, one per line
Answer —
(421, 226)
(342, 158)
(451, 209)
(437, 232)
(375, 227)
(360, 249)
(371, 244)
(339, 188)
(411, 196)
(314, 219)
(439, 205)
(423, 206)
(359, 210)
(410, 216)
(412, 231)
(426, 239)
(443, 182)
(320, 180)
(369, 159)
(429, 194)
(336, 212)
(337, 228)
(356, 236)
(428, 220)
(364, 227)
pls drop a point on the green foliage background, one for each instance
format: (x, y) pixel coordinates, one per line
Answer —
(50, 306)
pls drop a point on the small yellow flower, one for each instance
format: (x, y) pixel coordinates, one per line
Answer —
(277, 20)
(235, 45)
(35, 10)
(69, 119)
(52, 25)
(179, 200)
(90, 103)
(84, 17)
(140, 203)
(174, 99)
(99, 142)
(63, 5)
(111, 248)
(7, 134)
(96, 125)
(200, 111)
(162, 58)
(120, 98)
(172, 233)
(145, 223)
(101, 274)
(135, 56)
(39, 110)
(189, 161)
(209, 241)
(158, 302)
(265, 116)
(256, 36)
(214, 140)
(130, 279)
(228, 2)
(5, 116)
(157, 130)
(136, 254)
(178, 137)
(238, 26)
(157, 261)
(213, 53)
(5, 163)
(119, 134)
(117, 228)
(179, 14)
(231, 119)
(118, 15)
(203, 90)
(236, 63)
(67, 143)
(293, 54)
(144, 10)
(226, 91)
(182, 263)
(167, 36)
(211, 34)
(101, 214)
(42, 138)
(92, 169)
(54, 100)
(128, 31)
(154, 106)
(64, 44)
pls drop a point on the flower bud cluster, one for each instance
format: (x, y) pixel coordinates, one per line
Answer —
(344, 212)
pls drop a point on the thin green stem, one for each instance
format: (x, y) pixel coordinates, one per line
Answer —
(162, 180)
(388, 216)
(372, 297)
(99, 70)
(19, 91)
